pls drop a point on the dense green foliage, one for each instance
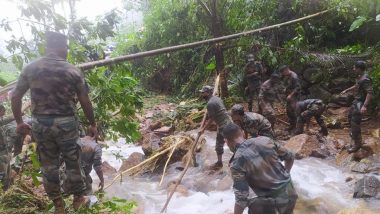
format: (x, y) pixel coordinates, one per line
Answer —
(114, 92)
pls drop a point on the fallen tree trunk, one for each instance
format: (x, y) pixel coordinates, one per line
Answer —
(120, 59)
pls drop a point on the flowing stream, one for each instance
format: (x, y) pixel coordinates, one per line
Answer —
(321, 185)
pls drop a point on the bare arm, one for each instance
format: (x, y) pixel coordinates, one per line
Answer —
(87, 108)
(16, 102)
(238, 209)
(348, 89)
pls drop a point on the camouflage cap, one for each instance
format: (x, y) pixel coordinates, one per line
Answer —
(55, 40)
(237, 109)
(206, 88)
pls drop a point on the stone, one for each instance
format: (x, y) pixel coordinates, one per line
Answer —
(181, 189)
(362, 153)
(302, 145)
(370, 164)
(348, 179)
(134, 159)
(151, 142)
(108, 169)
(343, 100)
(356, 211)
(372, 143)
(155, 125)
(343, 158)
(366, 187)
(224, 184)
(320, 153)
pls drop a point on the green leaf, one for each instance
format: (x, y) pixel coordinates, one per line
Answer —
(211, 66)
(359, 21)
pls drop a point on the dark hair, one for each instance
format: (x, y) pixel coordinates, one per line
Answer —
(275, 75)
(230, 131)
(237, 109)
(361, 65)
(282, 68)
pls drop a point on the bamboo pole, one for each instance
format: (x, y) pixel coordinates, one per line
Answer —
(111, 61)
(191, 152)
(166, 165)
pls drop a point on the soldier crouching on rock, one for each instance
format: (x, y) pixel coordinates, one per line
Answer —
(252, 123)
(363, 95)
(307, 109)
(256, 164)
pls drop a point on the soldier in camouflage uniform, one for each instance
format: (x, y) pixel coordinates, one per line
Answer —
(253, 75)
(216, 112)
(293, 91)
(91, 158)
(256, 164)
(252, 123)
(363, 95)
(54, 84)
(267, 95)
(307, 109)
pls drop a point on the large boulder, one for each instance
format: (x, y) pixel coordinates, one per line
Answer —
(134, 159)
(151, 142)
(370, 164)
(303, 145)
(108, 169)
(366, 187)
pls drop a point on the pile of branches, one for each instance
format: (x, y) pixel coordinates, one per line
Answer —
(22, 198)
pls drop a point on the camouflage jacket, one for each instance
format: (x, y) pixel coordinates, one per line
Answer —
(253, 74)
(253, 123)
(217, 112)
(363, 87)
(54, 85)
(91, 156)
(292, 83)
(305, 104)
(256, 164)
(268, 92)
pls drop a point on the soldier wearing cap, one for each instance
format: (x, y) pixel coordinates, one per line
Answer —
(216, 112)
(253, 76)
(54, 84)
(363, 96)
(293, 91)
(307, 109)
(267, 96)
(257, 165)
(252, 123)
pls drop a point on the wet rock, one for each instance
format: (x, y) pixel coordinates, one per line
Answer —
(303, 145)
(108, 169)
(372, 143)
(348, 179)
(371, 164)
(366, 187)
(181, 189)
(362, 154)
(320, 153)
(224, 184)
(343, 158)
(151, 142)
(134, 159)
(343, 100)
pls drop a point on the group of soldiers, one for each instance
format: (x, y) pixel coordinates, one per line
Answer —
(256, 162)
(55, 88)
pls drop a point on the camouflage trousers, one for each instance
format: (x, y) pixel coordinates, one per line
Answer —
(283, 203)
(88, 185)
(355, 118)
(252, 94)
(266, 109)
(313, 110)
(291, 112)
(55, 136)
(5, 167)
(219, 142)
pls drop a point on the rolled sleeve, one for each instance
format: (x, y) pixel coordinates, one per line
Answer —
(282, 152)
(240, 185)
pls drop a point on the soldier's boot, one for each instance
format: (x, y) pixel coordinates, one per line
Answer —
(80, 202)
(357, 145)
(59, 206)
(216, 166)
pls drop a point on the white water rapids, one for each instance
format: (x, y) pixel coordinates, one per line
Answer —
(321, 186)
